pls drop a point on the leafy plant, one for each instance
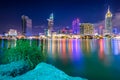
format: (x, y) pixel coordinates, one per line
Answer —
(32, 54)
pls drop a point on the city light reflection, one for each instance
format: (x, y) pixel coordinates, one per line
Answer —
(101, 51)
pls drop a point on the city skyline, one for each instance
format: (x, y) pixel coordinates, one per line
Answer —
(65, 12)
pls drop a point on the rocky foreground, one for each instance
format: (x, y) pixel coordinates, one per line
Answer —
(42, 71)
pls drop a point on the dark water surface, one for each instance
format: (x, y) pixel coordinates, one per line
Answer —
(89, 58)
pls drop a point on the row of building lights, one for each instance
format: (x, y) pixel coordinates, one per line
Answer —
(77, 27)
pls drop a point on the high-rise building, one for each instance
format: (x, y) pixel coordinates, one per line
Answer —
(86, 29)
(50, 24)
(23, 24)
(12, 32)
(75, 26)
(108, 22)
(26, 26)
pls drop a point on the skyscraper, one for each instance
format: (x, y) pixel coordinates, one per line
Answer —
(108, 22)
(50, 24)
(75, 26)
(26, 26)
(86, 29)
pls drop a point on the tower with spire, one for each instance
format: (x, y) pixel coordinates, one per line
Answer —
(108, 22)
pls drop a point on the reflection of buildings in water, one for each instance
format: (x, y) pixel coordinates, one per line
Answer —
(101, 49)
(8, 44)
(75, 54)
(107, 46)
(93, 45)
(15, 43)
(39, 43)
(73, 49)
(80, 45)
(76, 50)
(86, 47)
(54, 49)
(2, 43)
(59, 47)
(65, 49)
(43, 46)
(64, 56)
(50, 48)
(70, 49)
(107, 52)
(116, 47)
(11, 43)
(67, 46)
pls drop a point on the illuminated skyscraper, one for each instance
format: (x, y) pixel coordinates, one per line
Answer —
(86, 29)
(26, 26)
(75, 26)
(23, 25)
(50, 24)
(12, 32)
(108, 22)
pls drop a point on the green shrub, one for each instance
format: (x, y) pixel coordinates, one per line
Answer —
(32, 54)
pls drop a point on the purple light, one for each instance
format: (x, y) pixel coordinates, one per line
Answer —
(75, 25)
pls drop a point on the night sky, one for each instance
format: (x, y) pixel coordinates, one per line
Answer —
(65, 11)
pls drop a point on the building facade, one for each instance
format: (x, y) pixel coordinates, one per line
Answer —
(75, 26)
(26, 26)
(50, 24)
(86, 29)
(12, 32)
(108, 23)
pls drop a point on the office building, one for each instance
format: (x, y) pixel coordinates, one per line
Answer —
(86, 29)
(108, 23)
(12, 32)
(76, 26)
(50, 24)
(26, 26)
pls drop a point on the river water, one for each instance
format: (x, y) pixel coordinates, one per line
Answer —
(94, 59)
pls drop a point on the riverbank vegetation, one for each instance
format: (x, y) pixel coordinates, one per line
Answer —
(24, 50)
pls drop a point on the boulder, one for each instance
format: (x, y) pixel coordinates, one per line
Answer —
(45, 71)
(42, 71)
(14, 69)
